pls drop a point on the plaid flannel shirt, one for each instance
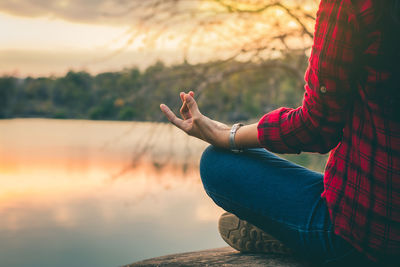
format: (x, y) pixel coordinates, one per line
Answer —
(340, 114)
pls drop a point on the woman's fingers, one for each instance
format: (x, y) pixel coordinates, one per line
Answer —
(188, 109)
(184, 109)
(191, 104)
(185, 113)
(172, 117)
(182, 95)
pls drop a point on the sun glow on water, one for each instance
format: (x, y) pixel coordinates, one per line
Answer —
(61, 202)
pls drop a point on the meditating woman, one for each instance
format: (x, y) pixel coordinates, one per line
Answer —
(351, 108)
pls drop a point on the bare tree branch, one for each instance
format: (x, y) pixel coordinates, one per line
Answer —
(221, 25)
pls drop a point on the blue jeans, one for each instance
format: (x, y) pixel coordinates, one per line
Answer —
(280, 197)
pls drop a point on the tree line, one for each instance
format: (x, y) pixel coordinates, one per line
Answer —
(245, 93)
(226, 91)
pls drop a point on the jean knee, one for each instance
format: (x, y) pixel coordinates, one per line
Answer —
(209, 166)
(205, 163)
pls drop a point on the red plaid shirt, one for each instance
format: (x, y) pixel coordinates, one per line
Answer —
(341, 113)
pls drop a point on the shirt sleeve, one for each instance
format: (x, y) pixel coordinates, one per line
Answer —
(317, 125)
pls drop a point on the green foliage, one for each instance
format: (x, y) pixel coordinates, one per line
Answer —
(8, 91)
(313, 161)
(132, 94)
(126, 114)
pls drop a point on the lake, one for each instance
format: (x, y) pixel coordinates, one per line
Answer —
(100, 193)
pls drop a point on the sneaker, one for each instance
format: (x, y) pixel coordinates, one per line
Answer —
(246, 237)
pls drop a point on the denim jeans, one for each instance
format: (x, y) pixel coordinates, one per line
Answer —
(281, 198)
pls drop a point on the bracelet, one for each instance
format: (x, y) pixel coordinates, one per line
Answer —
(232, 134)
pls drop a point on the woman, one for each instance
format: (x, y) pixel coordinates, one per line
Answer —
(351, 213)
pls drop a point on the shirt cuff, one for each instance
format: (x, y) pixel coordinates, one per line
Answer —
(269, 132)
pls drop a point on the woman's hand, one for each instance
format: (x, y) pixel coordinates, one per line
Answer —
(196, 124)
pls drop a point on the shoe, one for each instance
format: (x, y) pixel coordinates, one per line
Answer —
(246, 237)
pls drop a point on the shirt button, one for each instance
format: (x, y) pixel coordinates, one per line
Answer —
(322, 89)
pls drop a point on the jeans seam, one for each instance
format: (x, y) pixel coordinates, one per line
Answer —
(291, 226)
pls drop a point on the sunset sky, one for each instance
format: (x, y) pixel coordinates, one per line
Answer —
(50, 37)
(43, 37)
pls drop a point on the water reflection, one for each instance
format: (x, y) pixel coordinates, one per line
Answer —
(70, 197)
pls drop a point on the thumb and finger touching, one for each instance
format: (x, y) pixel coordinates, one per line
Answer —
(188, 110)
(191, 104)
(184, 109)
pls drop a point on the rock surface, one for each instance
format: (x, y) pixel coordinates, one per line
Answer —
(221, 257)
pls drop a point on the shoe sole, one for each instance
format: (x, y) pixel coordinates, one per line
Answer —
(248, 238)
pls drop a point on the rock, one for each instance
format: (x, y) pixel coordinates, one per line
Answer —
(222, 257)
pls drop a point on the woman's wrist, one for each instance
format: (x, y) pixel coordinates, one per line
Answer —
(223, 137)
(247, 136)
(232, 134)
(214, 132)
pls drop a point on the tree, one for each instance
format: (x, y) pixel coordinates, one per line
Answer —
(73, 92)
(7, 96)
(253, 31)
(266, 35)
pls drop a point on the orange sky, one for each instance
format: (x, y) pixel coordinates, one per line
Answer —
(46, 45)
(43, 38)
(50, 37)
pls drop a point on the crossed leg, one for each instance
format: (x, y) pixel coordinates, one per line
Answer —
(279, 197)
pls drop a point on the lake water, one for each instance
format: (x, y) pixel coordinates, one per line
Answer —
(94, 193)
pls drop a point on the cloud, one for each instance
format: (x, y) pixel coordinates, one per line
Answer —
(87, 11)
